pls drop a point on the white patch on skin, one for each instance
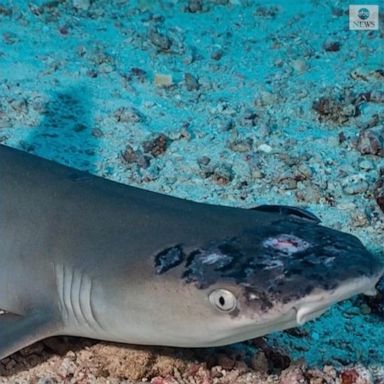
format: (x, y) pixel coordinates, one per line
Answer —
(329, 261)
(286, 243)
(212, 258)
(253, 296)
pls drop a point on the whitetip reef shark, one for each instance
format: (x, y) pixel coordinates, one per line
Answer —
(84, 256)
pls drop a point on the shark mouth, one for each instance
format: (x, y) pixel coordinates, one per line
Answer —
(308, 313)
(316, 305)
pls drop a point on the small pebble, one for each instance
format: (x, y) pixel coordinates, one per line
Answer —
(97, 132)
(128, 115)
(365, 165)
(241, 145)
(259, 362)
(265, 98)
(368, 72)
(163, 81)
(267, 11)
(225, 361)
(205, 160)
(191, 82)
(371, 141)
(332, 46)
(354, 184)
(359, 219)
(309, 195)
(217, 54)
(347, 206)
(292, 374)
(222, 175)
(299, 65)
(130, 156)
(257, 173)
(379, 192)
(265, 148)
(250, 118)
(194, 6)
(159, 40)
(156, 146)
(81, 4)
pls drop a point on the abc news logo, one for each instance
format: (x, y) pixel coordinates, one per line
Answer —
(363, 17)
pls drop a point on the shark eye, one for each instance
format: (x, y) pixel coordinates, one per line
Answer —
(223, 300)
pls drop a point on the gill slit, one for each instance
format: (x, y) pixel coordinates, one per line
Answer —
(75, 291)
(61, 287)
(74, 298)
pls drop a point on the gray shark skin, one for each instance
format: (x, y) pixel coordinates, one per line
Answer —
(84, 256)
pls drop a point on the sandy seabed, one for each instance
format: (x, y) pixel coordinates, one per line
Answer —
(228, 102)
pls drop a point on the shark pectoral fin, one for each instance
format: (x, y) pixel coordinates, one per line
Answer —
(17, 332)
(288, 210)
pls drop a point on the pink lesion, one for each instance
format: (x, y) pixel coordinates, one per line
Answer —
(286, 243)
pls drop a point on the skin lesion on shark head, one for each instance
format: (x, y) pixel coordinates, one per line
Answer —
(169, 258)
(287, 243)
(260, 273)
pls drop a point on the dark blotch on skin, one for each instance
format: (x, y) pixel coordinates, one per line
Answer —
(261, 298)
(203, 272)
(271, 274)
(169, 258)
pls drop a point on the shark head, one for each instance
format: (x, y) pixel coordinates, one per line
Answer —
(263, 279)
(266, 279)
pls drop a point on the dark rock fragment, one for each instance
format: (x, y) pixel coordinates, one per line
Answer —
(159, 40)
(222, 174)
(130, 156)
(194, 6)
(371, 141)
(337, 110)
(97, 132)
(128, 115)
(217, 54)
(241, 145)
(267, 11)
(157, 146)
(332, 46)
(379, 195)
(191, 82)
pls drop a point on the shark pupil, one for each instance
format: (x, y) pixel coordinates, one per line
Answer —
(222, 301)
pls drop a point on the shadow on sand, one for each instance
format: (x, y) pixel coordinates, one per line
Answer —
(65, 133)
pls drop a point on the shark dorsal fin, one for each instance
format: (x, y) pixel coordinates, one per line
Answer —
(290, 211)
